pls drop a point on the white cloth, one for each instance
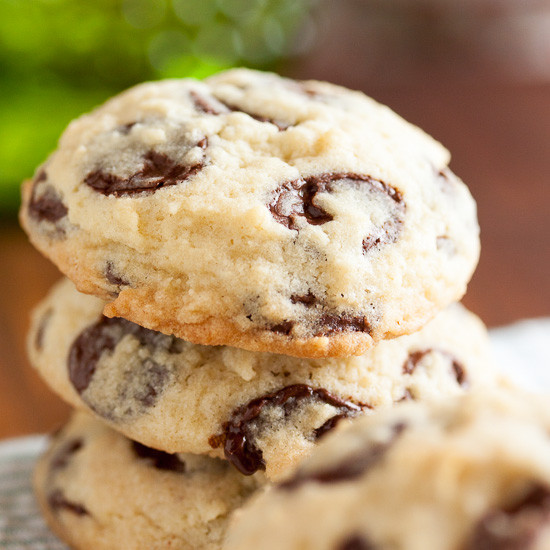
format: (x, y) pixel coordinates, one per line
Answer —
(521, 350)
(21, 526)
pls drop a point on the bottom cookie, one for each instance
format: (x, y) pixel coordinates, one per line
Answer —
(97, 489)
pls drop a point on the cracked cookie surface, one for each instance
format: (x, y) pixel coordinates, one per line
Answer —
(256, 211)
(259, 410)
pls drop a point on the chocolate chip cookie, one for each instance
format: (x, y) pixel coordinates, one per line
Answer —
(256, 211)
(99, 490)
(469, 473)
(258, 410)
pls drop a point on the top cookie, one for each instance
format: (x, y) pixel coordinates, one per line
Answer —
(258, 212)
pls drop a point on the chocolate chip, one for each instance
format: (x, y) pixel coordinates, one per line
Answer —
(295, 199)
(387, 233)
(207, 104)
(214, 106)
(125, 129)
(283, 328)
(298, 199)
(350, 467)
(457, 368)
(239, 447)
(153, 379)
(158, 171)
(281, 125)
(58, 501)
(139, 386)
(113, 277)
(40, 331)
(40, 177)
(308, 299)
(514, 527)
(330, 424)
(331, 324)
(45, 203)
(460, 373)
(102, 337)
(355, 542)
(326, 324)
(216, 441)
(159, 459)
(87, 349)
(63, 455)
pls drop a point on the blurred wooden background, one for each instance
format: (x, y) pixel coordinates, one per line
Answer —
(497, 128)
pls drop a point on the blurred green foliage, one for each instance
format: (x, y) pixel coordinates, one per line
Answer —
(60, 58)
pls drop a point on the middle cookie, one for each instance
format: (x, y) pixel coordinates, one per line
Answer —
(259, 410)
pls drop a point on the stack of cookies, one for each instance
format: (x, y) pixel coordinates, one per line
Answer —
(255, 259)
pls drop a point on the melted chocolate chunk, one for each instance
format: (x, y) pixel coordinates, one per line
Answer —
(57, 501)
(281, 125)
(102, 337)
(386, 234)
(416, 357)
(308, 299)
(239, 447)
(208, 104)
(298, 199)
(330, 424)
(125, 129)
(355, 542)
(215, 106)
(45, 204)
(62, 457)
(158, 171)
(159, 459)
(283, 328)
(151, 387)
(327, 323)
(350, 467)
(87, 349)
(332, 324)
(112, 276)
(513, 527)
(40, 331)
(295, 199)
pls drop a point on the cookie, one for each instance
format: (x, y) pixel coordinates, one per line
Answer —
(100, 490)
(468, 473)
(259, 410)
(256, 211)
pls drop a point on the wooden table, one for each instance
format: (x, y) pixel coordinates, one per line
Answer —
(499, 135)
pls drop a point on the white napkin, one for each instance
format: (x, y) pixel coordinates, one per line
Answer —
(521, 350)
(21, 526)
